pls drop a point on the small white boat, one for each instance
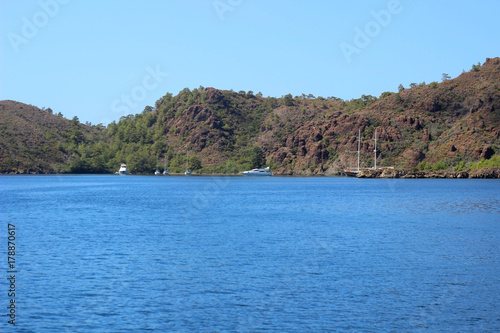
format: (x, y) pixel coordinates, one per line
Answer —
(157, 172)
(123, 169)
(258, 172)
(187, 172)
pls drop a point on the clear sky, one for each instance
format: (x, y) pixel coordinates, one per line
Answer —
(100, 60)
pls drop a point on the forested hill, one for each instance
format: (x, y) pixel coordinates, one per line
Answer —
(34, 140)
(451, 125)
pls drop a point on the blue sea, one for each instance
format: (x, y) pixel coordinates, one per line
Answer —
(112, 253)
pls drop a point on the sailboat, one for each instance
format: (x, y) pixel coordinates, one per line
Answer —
(187, 173)
(165, 171)
(157, 172)
(354, 172)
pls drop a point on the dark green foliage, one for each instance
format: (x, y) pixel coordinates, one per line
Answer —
(194, 163)
(386, 94)
(288, 100)
(257, 158)
(475, 68)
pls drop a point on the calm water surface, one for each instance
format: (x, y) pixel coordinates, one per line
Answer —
(222, 254)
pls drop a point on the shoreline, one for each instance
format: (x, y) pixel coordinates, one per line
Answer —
(384, 173)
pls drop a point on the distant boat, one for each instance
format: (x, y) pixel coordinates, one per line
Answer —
(123, 169)
(258, 172)
(187, 172)
(157, 172)
(354, 172)
(165, 171)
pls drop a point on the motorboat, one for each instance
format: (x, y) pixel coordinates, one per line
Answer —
(123, 169)
(258, 172)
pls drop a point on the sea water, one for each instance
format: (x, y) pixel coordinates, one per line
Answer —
(223, 254)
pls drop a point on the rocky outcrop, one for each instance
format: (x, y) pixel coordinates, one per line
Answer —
(485, 173)
(408, 174)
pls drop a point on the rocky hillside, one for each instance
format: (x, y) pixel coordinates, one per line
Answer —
(451, 125)
(437, 125)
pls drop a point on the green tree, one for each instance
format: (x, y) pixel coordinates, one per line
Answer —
(194, 163)
(386, 94)
(288, 100)
(475, 68)
(147, 109)
(257, 158)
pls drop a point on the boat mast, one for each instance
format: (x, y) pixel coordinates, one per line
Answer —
(375, 151)
(359, 145)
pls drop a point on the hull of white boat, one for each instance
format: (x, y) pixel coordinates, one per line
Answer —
(249, 173)
(257, 172)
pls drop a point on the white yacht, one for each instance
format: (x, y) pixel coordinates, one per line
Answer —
(258, 172)
(123, 169)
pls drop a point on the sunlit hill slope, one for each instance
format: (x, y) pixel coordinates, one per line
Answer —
(451, 125)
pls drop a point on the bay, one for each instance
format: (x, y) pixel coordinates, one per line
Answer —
(111, 253)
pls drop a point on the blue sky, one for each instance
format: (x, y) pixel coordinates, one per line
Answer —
(100, 60)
